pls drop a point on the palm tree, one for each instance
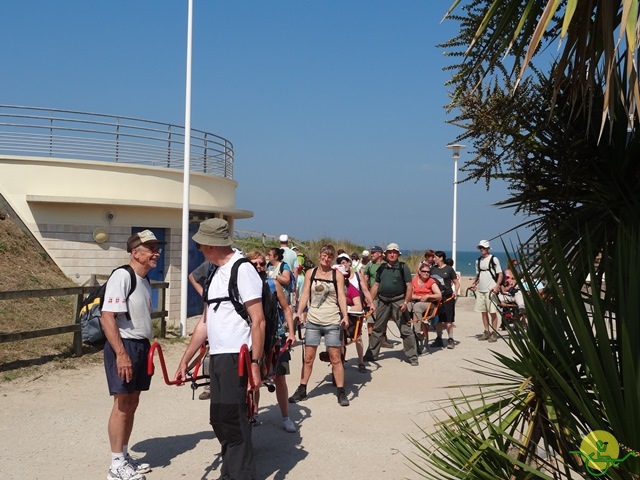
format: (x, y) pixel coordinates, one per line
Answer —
(599, 40)
(577, 368)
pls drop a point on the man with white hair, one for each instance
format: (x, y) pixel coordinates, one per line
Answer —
(290, 256)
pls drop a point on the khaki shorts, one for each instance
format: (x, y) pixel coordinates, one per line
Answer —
(486, 302)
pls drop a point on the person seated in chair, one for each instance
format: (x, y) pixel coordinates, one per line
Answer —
(510, 294)
(425, 291)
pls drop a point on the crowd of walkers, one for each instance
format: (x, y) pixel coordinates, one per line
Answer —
(329, 300)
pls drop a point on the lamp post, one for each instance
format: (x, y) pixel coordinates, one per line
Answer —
(456, 155)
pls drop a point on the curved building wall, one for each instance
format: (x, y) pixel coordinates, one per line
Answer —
(82, 212)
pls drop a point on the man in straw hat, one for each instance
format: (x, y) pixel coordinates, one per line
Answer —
(227, 331)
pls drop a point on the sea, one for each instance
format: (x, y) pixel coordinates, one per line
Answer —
(466, 261)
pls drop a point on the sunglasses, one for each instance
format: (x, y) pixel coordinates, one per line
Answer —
(260, 264)
(425, 271)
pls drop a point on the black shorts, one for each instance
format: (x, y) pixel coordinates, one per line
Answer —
(138, 350)
(447, 313)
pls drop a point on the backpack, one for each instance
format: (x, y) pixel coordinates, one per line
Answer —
(491, 269)
(269, 304)
(386, 265)
(292, 280)
(91, 310)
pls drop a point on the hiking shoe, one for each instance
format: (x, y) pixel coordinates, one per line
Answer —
(451, 344)
(362, 368)
(139, 467)
(342, 399)
(368, 357)
(414, 362)
(437, 343)
(299, 394)
(485, 335)
(125, 472)
(206, 395)
(289, 426)
(386, 344)
(493, 337)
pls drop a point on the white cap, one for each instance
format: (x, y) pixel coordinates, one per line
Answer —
(484, 244)
(365, 253)
(284, 238)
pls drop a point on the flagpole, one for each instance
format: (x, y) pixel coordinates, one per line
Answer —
(184, 282)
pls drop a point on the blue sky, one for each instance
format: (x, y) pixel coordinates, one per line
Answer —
(335, 108)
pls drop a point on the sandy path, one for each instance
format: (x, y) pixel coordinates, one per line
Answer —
(54, 427)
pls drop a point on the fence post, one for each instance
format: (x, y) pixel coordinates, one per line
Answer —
(77, 336)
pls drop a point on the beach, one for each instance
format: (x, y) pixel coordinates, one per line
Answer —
(54, 425)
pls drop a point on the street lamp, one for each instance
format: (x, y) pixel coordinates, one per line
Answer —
(456, 155)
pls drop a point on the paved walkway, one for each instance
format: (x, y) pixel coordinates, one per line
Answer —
(54, 426)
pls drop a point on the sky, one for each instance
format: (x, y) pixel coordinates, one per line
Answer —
(336, 109)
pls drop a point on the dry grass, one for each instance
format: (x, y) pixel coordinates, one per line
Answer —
(25, 267)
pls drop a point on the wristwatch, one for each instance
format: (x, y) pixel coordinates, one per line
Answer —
(257, 361)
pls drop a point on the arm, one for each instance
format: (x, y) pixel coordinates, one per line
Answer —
(198, 337)
(342, 301)
(288, 314)
(195, 284)
(456, 285)
(284, 278)
(437, 294)
(374, 290)
(111, 331)
(407, 297)
(254, 308)
(306, 294)
(364, 284)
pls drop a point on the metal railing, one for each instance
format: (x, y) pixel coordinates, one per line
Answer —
(34, 131)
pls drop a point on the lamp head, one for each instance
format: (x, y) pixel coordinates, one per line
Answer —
(456, 150)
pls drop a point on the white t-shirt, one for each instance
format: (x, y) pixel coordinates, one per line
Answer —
(485, 280)
(139, 305)
(227, 331)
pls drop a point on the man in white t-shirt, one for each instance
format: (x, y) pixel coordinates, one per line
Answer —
(487, 286)
(227, 331)
(126, 321)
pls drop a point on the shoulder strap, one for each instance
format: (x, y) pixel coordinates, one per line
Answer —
(313, 275)
(132, 286)
(233, 293)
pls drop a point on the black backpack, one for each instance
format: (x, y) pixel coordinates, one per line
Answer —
(91, 310)
(492, 268)
(269, 304)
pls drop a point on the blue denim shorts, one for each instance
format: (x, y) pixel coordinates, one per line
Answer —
(314, 332)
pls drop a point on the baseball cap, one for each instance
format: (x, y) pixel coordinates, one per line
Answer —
(284, 238)
(213, 232)
(365, 253)
(484, 244)
(376, 248)
(139, 238)
(342, 255)
(393, 246)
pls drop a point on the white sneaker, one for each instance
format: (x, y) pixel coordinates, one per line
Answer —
(125, 472)
(139, 467)
(289, 426)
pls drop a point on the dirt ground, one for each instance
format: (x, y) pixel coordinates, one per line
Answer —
(53, 426)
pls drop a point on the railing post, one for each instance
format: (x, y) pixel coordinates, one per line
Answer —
(77, 336)
(169, 149)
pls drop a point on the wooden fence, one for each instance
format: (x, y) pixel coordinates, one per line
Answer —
(80, 293)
